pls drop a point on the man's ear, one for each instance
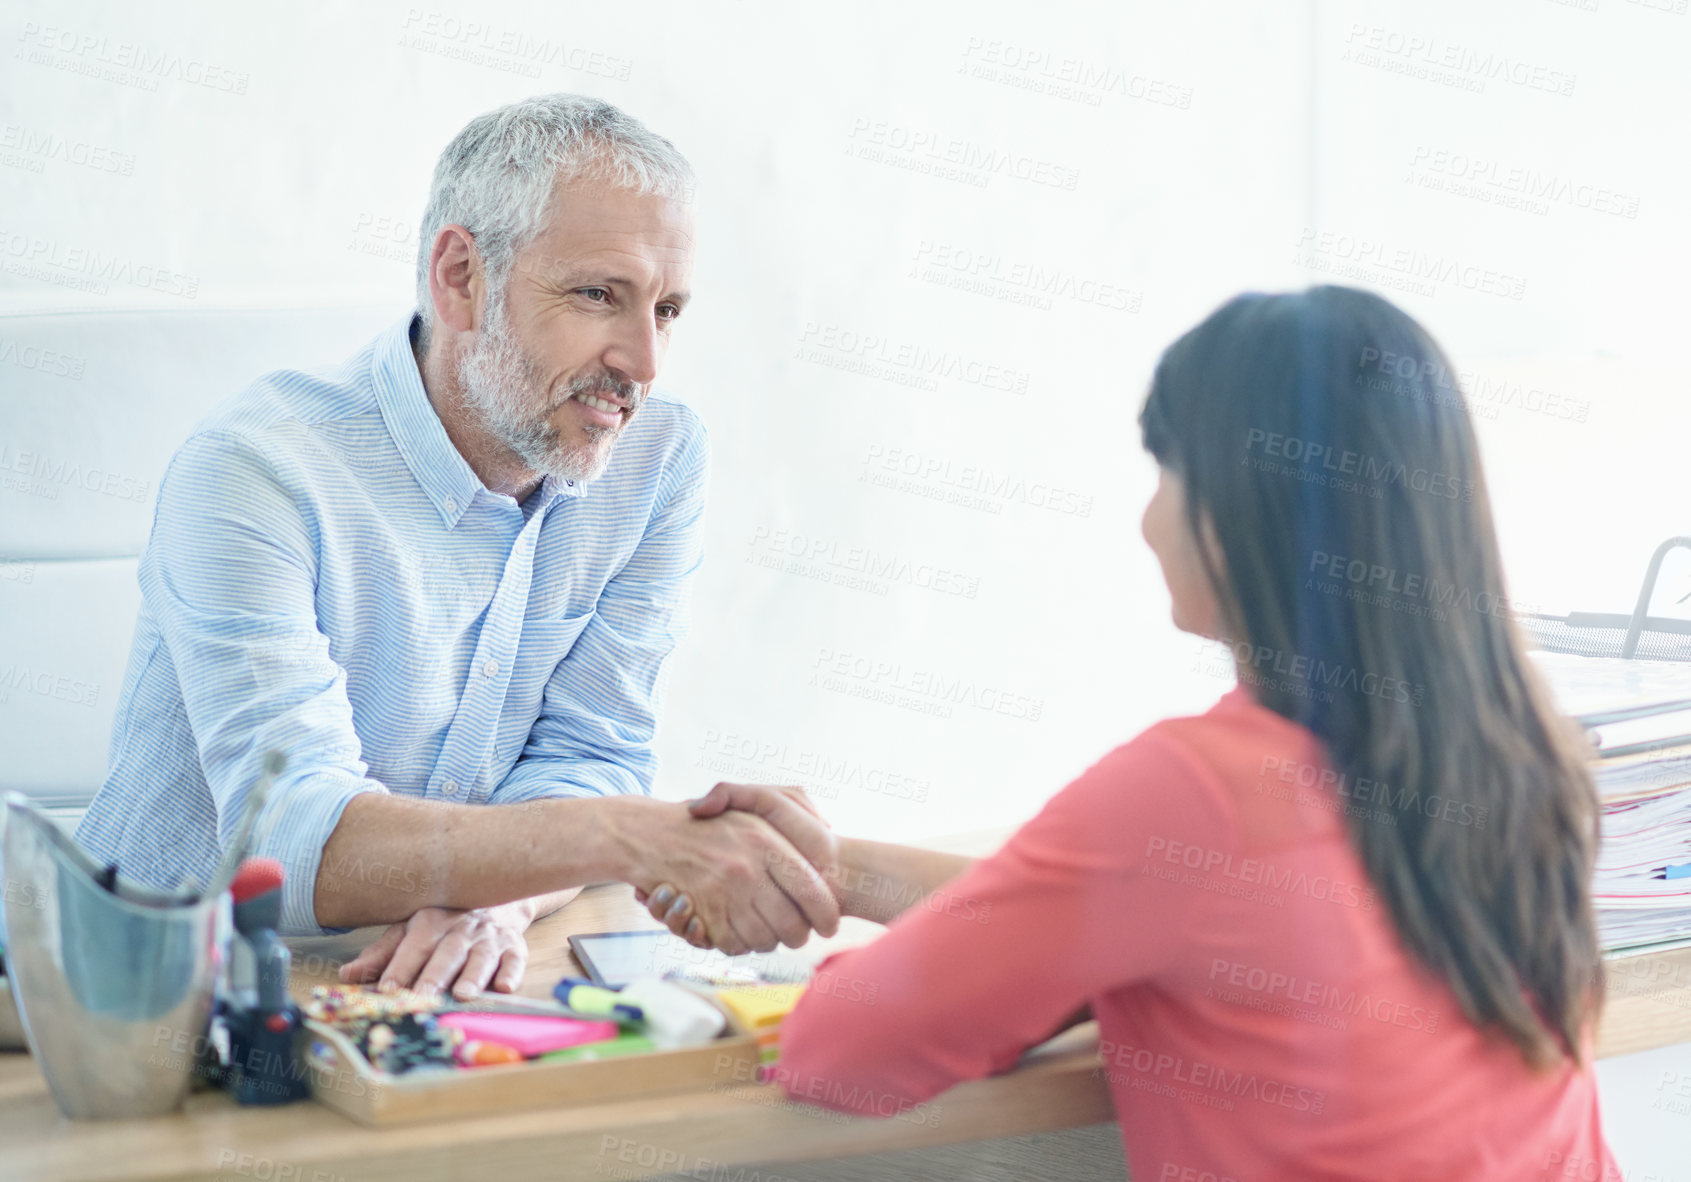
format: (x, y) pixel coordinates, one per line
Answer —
(457, 279)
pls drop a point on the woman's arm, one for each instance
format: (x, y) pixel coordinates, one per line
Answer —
(879, 880)
(983, 966)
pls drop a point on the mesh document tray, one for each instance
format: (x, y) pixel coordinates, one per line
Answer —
(1638, 636)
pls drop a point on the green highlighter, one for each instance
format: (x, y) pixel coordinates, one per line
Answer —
(626, 1043)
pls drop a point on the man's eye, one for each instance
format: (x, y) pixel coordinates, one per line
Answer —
(668, 311)
(596, 294)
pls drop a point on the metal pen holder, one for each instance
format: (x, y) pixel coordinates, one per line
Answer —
(114, 987)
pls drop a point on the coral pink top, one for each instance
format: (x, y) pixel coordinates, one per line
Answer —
(1258, 1017)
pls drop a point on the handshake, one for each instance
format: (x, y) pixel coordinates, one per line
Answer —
(748, 867)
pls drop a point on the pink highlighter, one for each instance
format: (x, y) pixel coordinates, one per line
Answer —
(531, 1034)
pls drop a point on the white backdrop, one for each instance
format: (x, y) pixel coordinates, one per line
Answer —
(942, 245)
(941, 248)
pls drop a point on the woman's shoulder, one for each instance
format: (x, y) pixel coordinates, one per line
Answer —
(1237, 738)
(1174, 766)
(1208, 773)
(1261, 764)
(1233, 752)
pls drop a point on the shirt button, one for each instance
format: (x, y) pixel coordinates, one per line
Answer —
(450, 787)
(451, 505)
(490, 669)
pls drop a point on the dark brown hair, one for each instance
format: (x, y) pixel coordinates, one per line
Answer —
(1323, 438)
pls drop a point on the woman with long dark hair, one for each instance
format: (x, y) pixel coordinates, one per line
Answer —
(1339, 926)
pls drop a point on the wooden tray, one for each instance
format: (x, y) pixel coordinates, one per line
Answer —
(342, 1079)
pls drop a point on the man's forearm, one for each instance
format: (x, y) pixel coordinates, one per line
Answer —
(878, 880)
(389, 855)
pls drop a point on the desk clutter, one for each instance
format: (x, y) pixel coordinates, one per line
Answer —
(402, 1031)
(129, 997)
(392, 1057)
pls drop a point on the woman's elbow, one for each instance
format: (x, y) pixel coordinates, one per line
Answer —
(848, 1071)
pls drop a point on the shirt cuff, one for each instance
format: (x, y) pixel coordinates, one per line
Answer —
(293, 827)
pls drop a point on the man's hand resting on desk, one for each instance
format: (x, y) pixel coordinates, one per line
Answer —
(440, 947)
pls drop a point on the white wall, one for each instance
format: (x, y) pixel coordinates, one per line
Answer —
(1205, 148)
(1599, 325)
(295, 174)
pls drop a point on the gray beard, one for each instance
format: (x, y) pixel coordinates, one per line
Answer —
(507, 390)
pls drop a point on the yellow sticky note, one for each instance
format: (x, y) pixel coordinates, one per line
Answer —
(758, 1006)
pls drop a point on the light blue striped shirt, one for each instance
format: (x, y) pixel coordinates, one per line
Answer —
(328, 577)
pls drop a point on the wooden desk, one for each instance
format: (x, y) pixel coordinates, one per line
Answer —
(213, 1138)
(1649, 1005)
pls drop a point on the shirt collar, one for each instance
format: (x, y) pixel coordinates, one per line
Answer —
(445, 476)
(552, 489)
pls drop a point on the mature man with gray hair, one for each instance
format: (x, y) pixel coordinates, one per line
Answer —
(447, 577)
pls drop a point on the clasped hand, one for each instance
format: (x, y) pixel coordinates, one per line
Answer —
(756, 876)
(744, 868)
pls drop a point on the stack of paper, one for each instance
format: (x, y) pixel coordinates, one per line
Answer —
(1638, 717)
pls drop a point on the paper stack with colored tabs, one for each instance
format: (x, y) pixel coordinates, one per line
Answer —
(1637, 716)
(760, 1009)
